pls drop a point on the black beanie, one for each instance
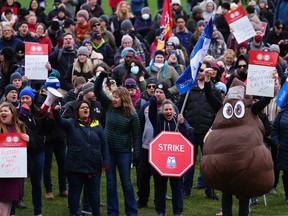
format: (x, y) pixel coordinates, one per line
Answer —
(159, 52)
(151, 80)
(163, 86)
(226, 5)
(9, 88)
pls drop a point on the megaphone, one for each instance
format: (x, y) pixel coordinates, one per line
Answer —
(52, 95)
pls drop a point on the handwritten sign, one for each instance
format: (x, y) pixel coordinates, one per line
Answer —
(239, 22)
(36, 57)
(13, 156)
(260, 73)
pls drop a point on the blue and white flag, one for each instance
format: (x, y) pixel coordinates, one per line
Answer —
(282, 95)
(187, 80)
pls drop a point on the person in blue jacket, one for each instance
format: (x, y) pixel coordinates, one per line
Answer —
(87, 155)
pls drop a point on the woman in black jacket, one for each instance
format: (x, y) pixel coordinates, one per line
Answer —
(167, 121)
(30, 116)
(87, 154)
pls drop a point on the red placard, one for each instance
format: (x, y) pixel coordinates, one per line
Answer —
(171, 154)
(14, 10)
(36, 49)
(8, 140)
(235, 15)
(263, 58)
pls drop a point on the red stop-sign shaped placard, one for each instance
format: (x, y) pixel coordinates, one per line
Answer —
(171, 154)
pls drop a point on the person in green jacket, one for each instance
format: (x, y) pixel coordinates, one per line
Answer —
(123, 133)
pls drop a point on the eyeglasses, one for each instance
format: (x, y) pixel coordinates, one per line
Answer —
(175, 5)
(151, 86)
(96, 24)
(242, 66)
(278, 27)
(13, 92)
(201, 70)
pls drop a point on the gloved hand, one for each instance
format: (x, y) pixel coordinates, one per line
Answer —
(105, 167)
(103, 74)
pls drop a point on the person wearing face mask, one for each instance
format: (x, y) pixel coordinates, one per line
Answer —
(241, 70)
(144, 22)
(160, 69)
(257, 41)
(138, 72)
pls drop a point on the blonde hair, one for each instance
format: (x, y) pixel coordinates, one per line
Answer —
(15, 121)
(127, 105)
(119, 13)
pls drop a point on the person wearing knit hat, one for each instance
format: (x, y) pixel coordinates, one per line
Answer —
(52, 81)
(10, 88)
(145, 10)
(126, 41)
(126, 25)
(27, 91)
(83, 51)
(14, 76)
(88, 87)
(176, 2)
(162, 86)
(201, 23)
(127, 49)
(82, 28)
(130, 83)
(96, 36)
(275, 48)
(242, 48)
(84, 14)
(160, 69)
(104, 18)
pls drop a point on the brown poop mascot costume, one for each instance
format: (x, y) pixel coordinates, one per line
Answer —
(235, 159)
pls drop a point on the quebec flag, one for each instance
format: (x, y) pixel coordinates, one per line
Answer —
(187, 80)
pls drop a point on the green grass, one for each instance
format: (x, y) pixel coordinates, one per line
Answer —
(197, 204)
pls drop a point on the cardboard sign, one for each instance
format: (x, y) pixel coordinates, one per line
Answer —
(36, 57)
(260, 73)
(239, 22)
(13, 156)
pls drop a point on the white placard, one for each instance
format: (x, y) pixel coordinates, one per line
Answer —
(260, 81)
(13, 156)
(35, 67)
(239, 22)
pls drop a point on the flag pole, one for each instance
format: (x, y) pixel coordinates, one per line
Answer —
(183, 107)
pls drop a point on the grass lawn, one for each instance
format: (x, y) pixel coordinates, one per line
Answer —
(197, 204)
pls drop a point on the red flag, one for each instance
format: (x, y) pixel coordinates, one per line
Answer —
(166, 25)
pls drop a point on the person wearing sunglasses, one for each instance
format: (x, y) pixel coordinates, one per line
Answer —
(241, 70)
(279, 36)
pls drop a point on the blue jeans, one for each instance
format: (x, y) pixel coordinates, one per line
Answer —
(160, 189)
(76, 182)
(123, 162)
(36, 166)
(58, 147)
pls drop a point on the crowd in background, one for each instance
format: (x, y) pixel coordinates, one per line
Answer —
(119, 93)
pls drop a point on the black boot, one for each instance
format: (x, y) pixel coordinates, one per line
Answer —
(285, 184)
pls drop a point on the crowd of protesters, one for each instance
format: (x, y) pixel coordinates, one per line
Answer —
(119, 92)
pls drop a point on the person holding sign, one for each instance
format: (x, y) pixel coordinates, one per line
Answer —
(10, 188)
(167, 120)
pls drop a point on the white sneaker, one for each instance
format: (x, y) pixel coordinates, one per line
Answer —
(273, 191)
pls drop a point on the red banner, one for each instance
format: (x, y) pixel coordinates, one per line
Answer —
(166, 25)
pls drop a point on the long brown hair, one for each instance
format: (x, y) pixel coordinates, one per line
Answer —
(127, 105)
(15, 121)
